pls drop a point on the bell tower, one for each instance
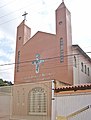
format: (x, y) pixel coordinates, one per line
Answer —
(23, 35)
(64, 39)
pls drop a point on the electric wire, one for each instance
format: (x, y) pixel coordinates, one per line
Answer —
(17, 10)
(12, 13)
(9, 21)
(50, 58)
(47, 50)
(35, 60)
(53, 66)
(7, 3)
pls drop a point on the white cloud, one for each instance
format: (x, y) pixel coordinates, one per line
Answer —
(1, 35)
(6, 56)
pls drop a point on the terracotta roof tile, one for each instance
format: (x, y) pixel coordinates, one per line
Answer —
(76, 87)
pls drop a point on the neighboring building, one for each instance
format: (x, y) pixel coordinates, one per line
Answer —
(44, 63)
(81, 67)
(72, 103)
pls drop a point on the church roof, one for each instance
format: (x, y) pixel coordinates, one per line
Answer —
(82, 52)
(75, 87)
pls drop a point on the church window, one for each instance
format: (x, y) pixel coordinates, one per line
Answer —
(19, 38)
(82, 66)
(88, 71)
(85, 69)
(60, 22)
(18, 61)
(75, 62)
(38, 101)
(61, 50)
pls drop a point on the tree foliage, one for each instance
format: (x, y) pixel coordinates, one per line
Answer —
(5, 83)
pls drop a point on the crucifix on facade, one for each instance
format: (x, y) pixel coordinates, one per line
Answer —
(25, 15)
(37, 62)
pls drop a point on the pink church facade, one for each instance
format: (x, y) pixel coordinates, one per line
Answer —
(53, 49)
(56, 54)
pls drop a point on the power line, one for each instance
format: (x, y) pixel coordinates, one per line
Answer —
(9, 20)
(7, 3)
(14, 11)
(40, 59)
(10, 13)
(43, 68)
(53, 67)
(50, 58)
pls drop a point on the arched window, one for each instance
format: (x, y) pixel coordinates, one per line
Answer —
(75, 62)
(82, 66)
(88, 71)
(85, 69)
(38, 101)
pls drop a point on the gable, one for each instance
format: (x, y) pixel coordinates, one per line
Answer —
(41, 43)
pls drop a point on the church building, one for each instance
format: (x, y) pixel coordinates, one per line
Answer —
(45, 62)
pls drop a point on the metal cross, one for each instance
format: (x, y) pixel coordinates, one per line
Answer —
(37, 62)
(25, 15)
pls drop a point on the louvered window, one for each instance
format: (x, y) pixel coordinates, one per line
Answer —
(61, 50)
(38, 101)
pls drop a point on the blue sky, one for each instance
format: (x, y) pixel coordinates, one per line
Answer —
(41, 17)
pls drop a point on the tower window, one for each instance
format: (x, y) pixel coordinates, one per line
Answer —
(19, 38)
(38, 101)
(61, 50)
(60, 22)
(18, 61)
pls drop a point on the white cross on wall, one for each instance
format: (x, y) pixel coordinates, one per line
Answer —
(37, 62)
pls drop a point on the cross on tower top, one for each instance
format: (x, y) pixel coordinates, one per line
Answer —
(25, 15)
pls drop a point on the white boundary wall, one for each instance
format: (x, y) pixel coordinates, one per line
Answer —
(66, 104)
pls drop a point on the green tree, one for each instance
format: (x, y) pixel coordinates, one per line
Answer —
(5, 83)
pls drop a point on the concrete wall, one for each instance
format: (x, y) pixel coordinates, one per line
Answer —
(20, 102)
(66, 104)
